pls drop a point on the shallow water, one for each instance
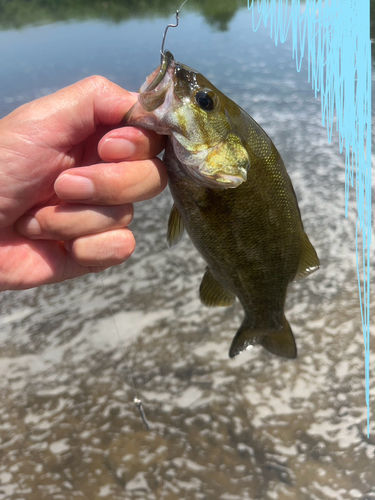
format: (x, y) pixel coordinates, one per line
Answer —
(255, 427)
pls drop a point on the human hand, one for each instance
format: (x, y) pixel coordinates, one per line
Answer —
(67, 183)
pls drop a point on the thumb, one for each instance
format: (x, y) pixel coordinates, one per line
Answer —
(70, 115)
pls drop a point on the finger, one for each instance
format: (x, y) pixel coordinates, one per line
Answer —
(105, 249)
(130, 143)
(113, 183)
(66, 222)
(45, 137)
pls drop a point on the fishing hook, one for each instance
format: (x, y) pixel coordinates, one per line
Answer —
(138, 404)
(170, 26)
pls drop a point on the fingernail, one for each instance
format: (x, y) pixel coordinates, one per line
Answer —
(74, 187)
(118, 149)
(30, 227)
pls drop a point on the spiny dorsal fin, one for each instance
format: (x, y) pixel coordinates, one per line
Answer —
(280, 342)
(213, 294)
(309, 261)
(175, 227)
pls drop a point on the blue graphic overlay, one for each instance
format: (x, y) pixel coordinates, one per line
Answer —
(337, 33)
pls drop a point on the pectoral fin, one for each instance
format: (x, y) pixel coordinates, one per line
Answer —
(213, 294)
(280, 342)
(309, 261)
(175, 227)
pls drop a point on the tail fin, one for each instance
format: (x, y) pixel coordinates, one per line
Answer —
(280, 342)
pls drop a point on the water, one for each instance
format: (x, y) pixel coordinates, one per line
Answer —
(255, 427)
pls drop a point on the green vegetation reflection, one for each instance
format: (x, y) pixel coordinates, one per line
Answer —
(217, 13)
(19, 13)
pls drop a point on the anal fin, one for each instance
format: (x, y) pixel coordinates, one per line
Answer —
(213, 294)
(175, 227)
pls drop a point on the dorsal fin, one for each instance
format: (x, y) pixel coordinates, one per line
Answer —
(213, 294)
(175, 227)
(309, 261)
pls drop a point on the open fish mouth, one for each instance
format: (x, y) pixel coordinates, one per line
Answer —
(155, 98)
(153, 93)
(153, 81)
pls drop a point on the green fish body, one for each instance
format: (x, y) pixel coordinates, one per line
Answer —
(235, 199)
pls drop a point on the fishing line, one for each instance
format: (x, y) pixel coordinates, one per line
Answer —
(137, 401)
(170, 26)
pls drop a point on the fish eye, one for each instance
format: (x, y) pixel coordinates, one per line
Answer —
(204, 99)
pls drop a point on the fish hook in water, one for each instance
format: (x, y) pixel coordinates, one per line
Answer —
(170, 26)
(138, 404)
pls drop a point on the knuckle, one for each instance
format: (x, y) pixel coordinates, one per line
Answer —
(46, 225)
(97, 83)
(120, 215)
(123, 245)
(106, 249)
(129, 214)
(52, 227)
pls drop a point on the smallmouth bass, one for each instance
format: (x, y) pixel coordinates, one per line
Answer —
(233, 196)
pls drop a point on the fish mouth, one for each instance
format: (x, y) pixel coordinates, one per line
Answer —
(153, 94)
(163, 91)
(155, 98)
(153, 81)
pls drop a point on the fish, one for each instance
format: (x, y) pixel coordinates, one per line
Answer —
(233, 196)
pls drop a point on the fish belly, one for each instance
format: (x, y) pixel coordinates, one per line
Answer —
(244, 253)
